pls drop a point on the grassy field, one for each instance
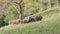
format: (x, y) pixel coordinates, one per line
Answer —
(50, 24)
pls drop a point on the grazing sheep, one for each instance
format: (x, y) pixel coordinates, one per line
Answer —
(37, 18)
(14, 21)
(31, 19)
(26, 20)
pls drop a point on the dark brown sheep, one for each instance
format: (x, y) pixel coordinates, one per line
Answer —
(37, 18)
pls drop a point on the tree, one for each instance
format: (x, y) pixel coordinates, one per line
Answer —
(20, 12)
(57, 3)
(19, 9)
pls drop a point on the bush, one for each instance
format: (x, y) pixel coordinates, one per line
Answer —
(2, 22)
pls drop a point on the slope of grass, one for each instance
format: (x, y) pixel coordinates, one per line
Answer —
(50, 24)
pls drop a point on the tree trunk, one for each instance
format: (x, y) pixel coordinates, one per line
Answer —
(20, 9)
(57, 3)
(20, 12)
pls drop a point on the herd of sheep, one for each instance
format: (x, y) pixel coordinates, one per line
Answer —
(26, 20)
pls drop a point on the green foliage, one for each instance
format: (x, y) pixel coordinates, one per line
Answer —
(49, 25)
(11, 14)
(43, 5)
(29, 8)
(1, 18)
(2, 22)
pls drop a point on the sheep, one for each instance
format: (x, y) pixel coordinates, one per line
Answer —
(25, 20)
(14, 21)
(30, 19)
(37, 18)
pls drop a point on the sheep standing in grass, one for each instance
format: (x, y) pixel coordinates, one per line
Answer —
(37, 18)
(17, 21)
(30, 19)
(14, 21)
(26, 20)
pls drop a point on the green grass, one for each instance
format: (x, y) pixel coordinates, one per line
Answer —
(50, 24)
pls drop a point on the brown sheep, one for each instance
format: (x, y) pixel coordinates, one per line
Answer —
(14, 21)
(37, 18)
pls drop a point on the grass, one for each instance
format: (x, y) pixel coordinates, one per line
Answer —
(50, 24)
